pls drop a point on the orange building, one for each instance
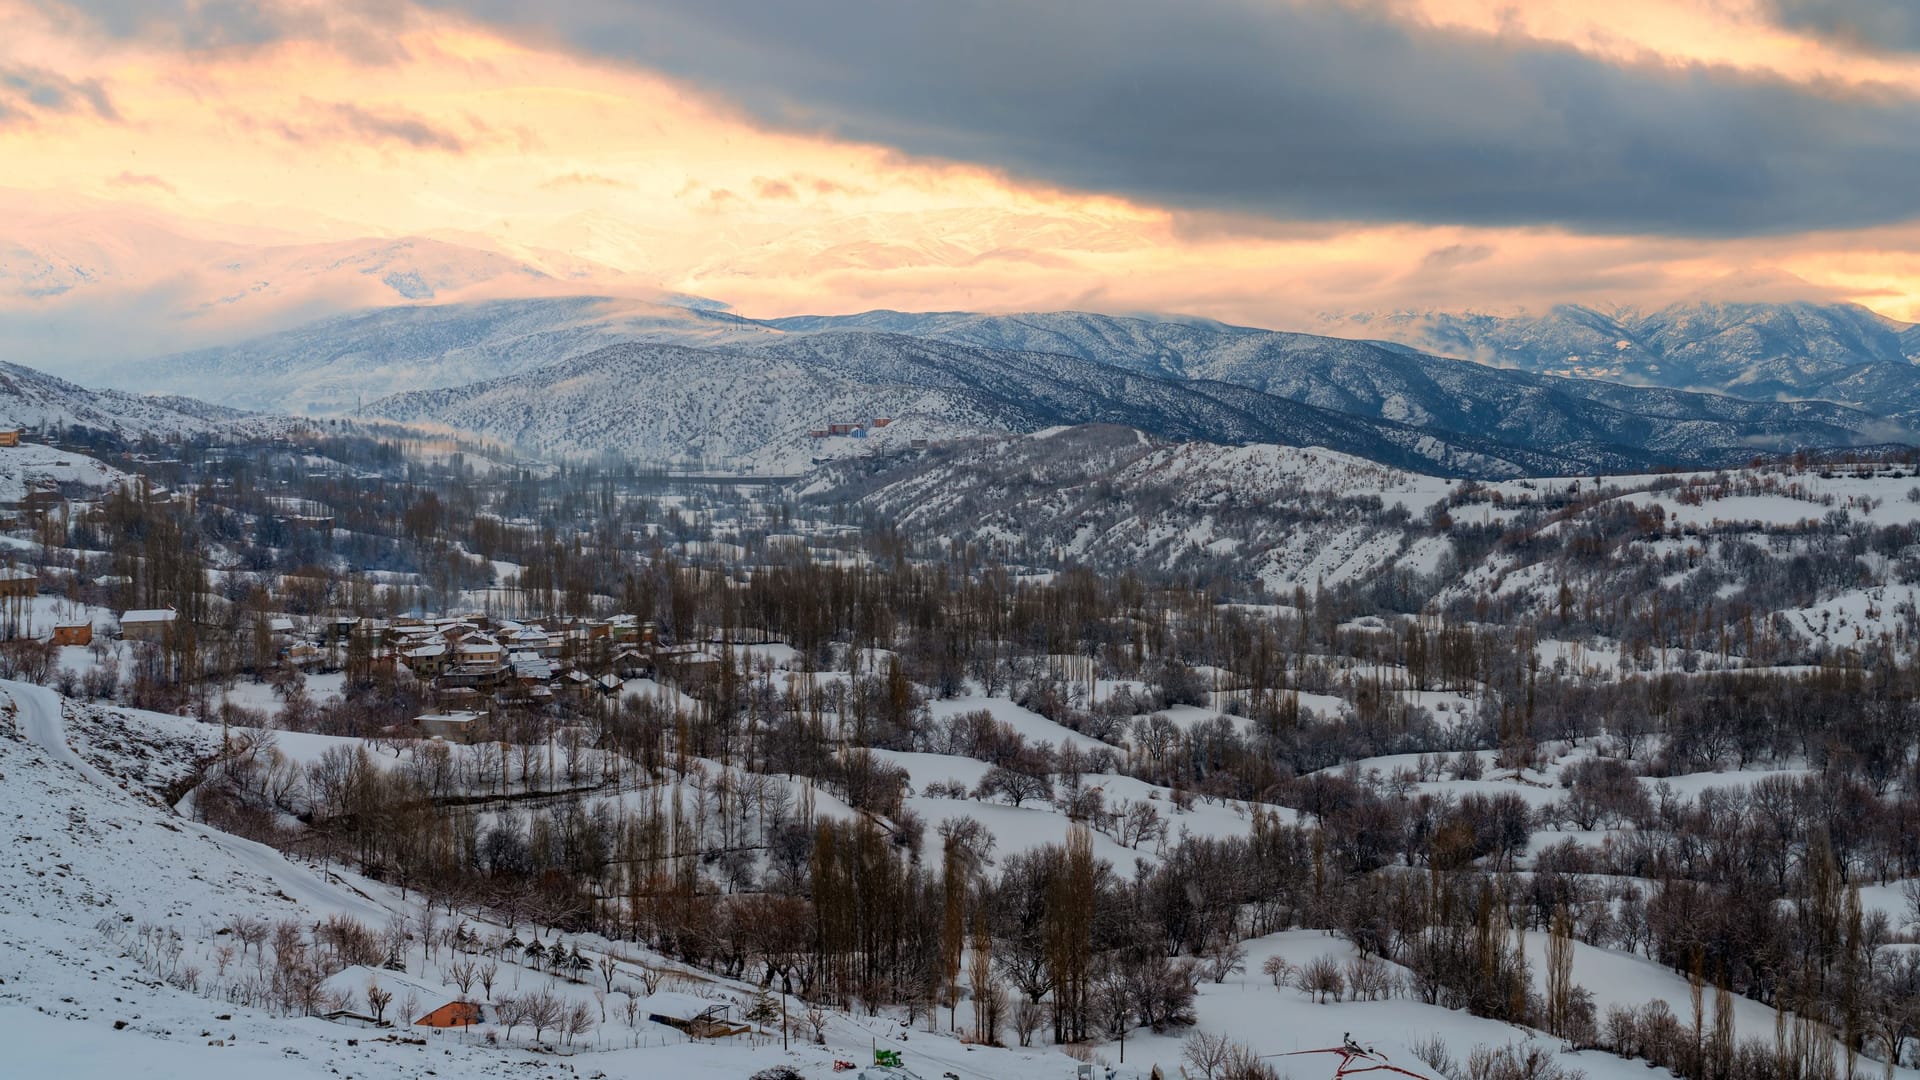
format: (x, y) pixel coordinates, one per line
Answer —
(454, 1014)
(76, 634)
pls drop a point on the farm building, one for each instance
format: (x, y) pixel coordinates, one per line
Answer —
(413, 1001)
(454, 1014)
(80, 633)
(697, 1016)
(15, 581)
(151, 624)
(452, 726)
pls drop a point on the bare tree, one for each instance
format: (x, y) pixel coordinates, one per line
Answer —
(1207, 1053)
(377, 1001)
(512, 1011)
(577, 1021)
(544, 1010)
(816, 1018)
(462, 974)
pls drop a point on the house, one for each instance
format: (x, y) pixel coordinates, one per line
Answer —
(305, 655)
(80, 633)
(687, 665)
(451, 726)
(454, 1014)
(427, 660)
(17, 582)
(476, 648)
(151, 624)
(11, 436)
(531, 668)
(472, 679)
(882, 421)
(697, 1016)
(348, 989)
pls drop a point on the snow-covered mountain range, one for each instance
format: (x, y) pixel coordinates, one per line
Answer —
(757, 406)
(1748, 349)
(335, 364)
(581, 375)
(1022, 373)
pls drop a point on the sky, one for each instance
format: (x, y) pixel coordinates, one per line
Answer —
(1260, 162)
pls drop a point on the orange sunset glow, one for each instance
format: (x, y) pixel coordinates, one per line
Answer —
(618, 175)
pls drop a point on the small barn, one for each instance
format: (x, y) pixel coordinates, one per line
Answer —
(80, 633)
(697, 1016)
(15, 581)
(455, 1014)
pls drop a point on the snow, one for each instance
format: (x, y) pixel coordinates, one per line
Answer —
(29, 466)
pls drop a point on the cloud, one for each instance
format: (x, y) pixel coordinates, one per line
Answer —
(583, 179)
(394, 125)
(1284, 110)
(364, 30)
(1869, 25)
(822, 185)
(343, 120)
(139, 180)
(1452, 255)
(767, 188)
(26, 92)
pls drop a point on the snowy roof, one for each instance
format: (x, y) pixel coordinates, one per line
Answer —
(147, 615)
(678, 1006)
(427, 652)
(14, 573)
(354, 981)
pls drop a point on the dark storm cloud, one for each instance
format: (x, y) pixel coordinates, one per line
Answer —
(1273, 110)
(1889, 25)
(1327, 112)
(27, 92)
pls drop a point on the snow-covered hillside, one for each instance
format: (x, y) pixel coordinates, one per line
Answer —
(663, 402)
(1756, 350)
(334, 365)
(1607, 423)
(31, 466)
(35, 400)
(1113, 498)
(136, 942)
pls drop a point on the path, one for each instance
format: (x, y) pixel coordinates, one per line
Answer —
(38, 717)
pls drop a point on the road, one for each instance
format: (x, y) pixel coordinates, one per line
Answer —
(39, 719)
